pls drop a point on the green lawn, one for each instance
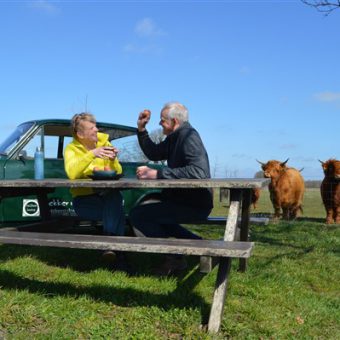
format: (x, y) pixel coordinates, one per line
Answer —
(312, 205)
(290, 290)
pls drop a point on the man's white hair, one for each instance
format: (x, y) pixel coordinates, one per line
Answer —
(176, 110)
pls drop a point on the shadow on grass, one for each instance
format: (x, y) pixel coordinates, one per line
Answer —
(280, 235)
(295, 239)
(76, 259)
(311, 219)
(82, 260)
(298, 219)
(181, 297)
(284, 231)
(293, 255)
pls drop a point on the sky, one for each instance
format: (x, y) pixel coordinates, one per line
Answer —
(261, 79)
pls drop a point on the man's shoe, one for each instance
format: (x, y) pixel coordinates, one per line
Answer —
(172, 265)
(109, 256)
(116, 261)
(122, 263)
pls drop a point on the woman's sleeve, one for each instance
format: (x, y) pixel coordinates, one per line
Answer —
(75, 162)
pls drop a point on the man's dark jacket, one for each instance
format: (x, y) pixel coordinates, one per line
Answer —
(186, 157)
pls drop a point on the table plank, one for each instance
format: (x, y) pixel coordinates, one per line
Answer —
(133, 183)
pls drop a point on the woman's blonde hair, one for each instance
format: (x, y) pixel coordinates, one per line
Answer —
(77, 120)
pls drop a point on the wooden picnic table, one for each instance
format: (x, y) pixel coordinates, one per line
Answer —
(225, 250)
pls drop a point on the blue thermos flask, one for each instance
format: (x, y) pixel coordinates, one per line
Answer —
(39, 164)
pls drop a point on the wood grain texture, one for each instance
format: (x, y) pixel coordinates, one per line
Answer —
(221, 284)
(132, 183)
(220, 293)
(134, 244)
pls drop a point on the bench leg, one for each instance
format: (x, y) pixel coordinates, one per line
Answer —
(245, 213)
(207, 264)
(220, 292)
(234, 211)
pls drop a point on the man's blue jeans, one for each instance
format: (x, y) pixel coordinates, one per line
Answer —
(106, 207)
(161, 219)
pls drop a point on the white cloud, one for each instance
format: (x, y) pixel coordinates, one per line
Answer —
(44, 6)
(327, 96)
(147, 28)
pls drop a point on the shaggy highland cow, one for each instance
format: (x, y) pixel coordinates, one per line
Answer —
(286, 188)
(330, 190)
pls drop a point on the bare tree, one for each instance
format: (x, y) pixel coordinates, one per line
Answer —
(259, 174)
(131, 151)
(215, 169)
(157, 135)
(230, 173)
(324, 6)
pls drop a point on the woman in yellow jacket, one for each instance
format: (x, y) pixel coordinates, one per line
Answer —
(91, 149)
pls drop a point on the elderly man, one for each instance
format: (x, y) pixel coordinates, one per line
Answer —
(186, 157)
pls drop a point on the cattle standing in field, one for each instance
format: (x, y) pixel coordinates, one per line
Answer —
(256, 192)
(286, 188)
(255, 195)
(330, 190)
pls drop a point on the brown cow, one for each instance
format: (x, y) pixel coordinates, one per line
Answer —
(286, 188)
(330, 190)
(256, 192)
(255, 196)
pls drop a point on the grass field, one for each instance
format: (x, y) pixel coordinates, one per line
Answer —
(290, 290)
(312, 205)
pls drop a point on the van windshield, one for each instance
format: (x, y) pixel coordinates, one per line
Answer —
(7, 145)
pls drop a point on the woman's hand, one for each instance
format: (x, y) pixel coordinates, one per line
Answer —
(108, 152)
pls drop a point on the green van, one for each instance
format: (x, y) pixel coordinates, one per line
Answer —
(17, 161)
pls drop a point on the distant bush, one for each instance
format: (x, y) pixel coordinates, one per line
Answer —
(312, 184)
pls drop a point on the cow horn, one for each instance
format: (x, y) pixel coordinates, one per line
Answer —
(260, 162)
(320, 161)
(301, 170)
(284, 163)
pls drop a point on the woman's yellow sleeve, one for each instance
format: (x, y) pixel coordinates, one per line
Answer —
(75, 162)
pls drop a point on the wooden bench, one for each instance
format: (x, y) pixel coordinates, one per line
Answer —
(216, 248)
(79, 226)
